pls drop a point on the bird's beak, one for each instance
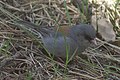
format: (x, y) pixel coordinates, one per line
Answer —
(94, 41)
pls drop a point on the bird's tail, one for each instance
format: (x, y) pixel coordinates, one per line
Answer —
(35, 29)
(27, 24)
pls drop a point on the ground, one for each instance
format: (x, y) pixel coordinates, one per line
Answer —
(22, 56)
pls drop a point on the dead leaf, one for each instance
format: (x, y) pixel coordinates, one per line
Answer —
(105, 28)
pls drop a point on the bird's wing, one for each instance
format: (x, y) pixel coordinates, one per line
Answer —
(60, 46)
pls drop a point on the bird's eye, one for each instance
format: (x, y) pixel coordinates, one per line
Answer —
(78, 34)
(88, 38)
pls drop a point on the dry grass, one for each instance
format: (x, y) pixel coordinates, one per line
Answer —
(23, 58)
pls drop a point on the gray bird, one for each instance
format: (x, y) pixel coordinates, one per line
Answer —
(67, 41)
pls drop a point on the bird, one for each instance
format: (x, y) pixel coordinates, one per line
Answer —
(66, 42)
